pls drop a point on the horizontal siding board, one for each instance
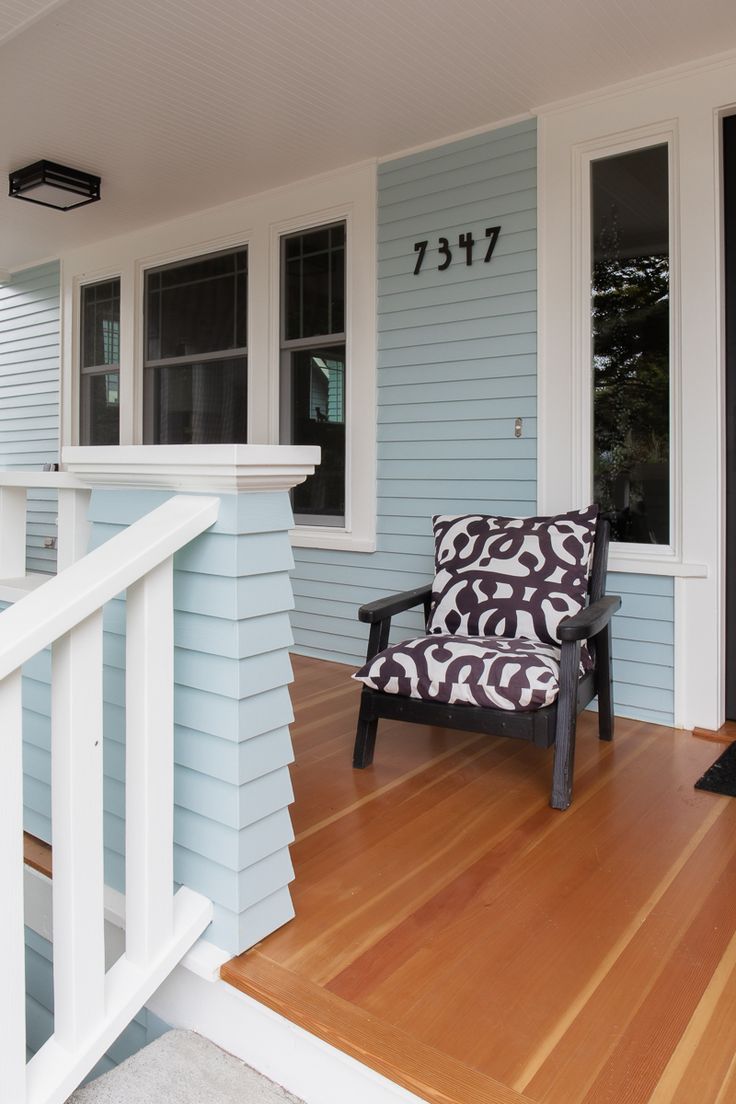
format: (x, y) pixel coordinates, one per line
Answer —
(461, 294)
(479, 180)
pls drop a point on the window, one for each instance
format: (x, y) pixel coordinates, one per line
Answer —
(100, 364)
(195, 351)
(260, 330)
(313, 365)
(630, 343)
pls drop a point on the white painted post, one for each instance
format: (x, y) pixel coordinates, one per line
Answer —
(12, 532)
(73, 526)
(76, 811)
(149, 751)
(12, 938)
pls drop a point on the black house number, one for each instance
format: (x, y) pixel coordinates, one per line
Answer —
(465, 244)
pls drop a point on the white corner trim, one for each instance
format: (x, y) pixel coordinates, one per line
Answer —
(224, 469)
(303, 1064)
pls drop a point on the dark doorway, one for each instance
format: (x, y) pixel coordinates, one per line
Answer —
(729, 229)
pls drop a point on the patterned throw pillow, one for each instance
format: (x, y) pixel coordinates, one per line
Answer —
(510, 577)
(456, 670)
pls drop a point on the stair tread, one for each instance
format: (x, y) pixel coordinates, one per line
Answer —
(182, 1068)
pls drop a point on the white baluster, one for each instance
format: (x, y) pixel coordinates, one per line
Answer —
(149, 786)
(76, 805)
(12, 532)
(73, 526)
(12, 937)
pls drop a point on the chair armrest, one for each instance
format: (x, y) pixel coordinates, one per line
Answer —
(590, 620)
(396, 603)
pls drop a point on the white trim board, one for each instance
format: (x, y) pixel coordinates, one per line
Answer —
(690, 105)
(305, 1065)
(193, 997)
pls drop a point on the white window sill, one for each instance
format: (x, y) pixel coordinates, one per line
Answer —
(305, 536)
(656, 565)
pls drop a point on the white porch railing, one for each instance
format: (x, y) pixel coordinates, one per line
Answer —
(73, 528)
(91, 1006)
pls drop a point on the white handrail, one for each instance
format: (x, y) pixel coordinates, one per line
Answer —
(73, 498)
(46, 614)
(91, 1006)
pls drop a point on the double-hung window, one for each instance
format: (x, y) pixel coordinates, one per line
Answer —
(195, 350)
(100, 363)
(313, 363)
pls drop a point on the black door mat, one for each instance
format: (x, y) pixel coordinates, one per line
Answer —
(721, 777)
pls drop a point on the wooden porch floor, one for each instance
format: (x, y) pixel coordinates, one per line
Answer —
(473, 945)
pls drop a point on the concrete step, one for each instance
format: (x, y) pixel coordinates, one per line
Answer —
(182, 1068)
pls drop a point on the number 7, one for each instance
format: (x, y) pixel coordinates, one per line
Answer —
(492, 232)
(421, 249)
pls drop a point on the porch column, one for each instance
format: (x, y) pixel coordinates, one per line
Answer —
(232, 596)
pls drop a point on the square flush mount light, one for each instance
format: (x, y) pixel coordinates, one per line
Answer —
(52, 185)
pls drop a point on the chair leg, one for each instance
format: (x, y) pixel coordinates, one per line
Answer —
(565, 730)
(365, 736)
(605, 683)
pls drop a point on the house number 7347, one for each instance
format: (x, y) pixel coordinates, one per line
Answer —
(465, 245)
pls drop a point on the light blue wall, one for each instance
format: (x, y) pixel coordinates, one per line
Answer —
(456, 365)
(232, 828)
(40, 1010)
(29, 393)
(643, 647)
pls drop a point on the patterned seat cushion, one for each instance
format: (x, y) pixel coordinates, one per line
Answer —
(487, 671)
(510, 577)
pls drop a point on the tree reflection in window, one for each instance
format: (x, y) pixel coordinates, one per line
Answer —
(630, 322)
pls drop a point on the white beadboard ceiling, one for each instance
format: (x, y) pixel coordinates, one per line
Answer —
(181, 104)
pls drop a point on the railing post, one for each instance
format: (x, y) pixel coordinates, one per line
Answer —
(12, 532)
(149, 776)
(73, 526)
(76, 811)
(13, 986)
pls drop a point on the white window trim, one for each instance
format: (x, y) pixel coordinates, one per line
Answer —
(691, 104)
(257, 222)
(623, 554)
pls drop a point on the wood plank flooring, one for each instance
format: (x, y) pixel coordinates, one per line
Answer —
(470, 943)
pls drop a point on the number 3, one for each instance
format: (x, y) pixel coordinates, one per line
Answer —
(446, 252)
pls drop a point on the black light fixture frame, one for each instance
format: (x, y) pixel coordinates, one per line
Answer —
(81, 184)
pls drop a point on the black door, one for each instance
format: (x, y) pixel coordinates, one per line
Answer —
(729, 225)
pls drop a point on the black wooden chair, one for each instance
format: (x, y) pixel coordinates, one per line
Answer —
(568, 684)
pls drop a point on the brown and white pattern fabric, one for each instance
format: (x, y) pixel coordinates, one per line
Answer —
(510, 577)
(486, 671)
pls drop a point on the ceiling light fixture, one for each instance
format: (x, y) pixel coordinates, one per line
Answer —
(52, 185)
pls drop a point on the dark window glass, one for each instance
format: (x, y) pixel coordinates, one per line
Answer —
(197, 307)
(100, 364)
(104, 402)
(317, 403)
(313, 365)
(200, 404)
(196, 329)
(314, 283)
(631, 324)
